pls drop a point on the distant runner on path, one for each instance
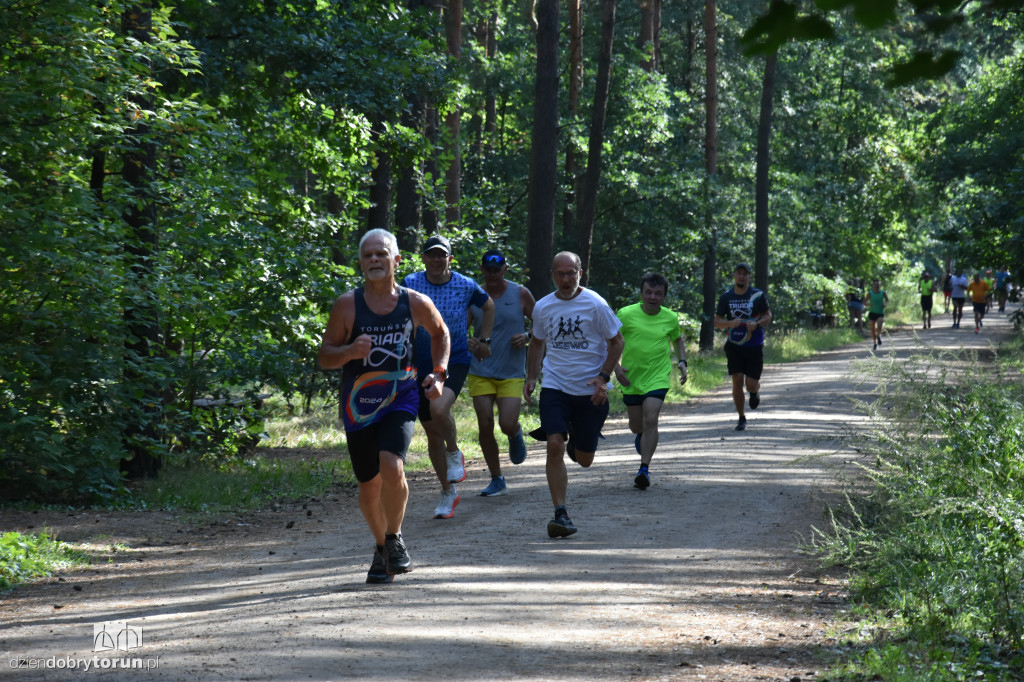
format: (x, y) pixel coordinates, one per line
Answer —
(958, 295)
(578, 338)
(649, 330)
(947, 289)
(926, 287)
(1002, 287)
(979, 291)
(369, 335)
(876, 300)
(744, 311)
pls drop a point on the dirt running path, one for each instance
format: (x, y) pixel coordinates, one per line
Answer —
(698, 577)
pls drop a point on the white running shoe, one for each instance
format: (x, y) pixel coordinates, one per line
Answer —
(449, 500)
(456, 467)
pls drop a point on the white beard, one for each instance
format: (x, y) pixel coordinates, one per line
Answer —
(376, 275)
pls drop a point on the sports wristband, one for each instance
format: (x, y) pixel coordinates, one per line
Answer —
(441, 372)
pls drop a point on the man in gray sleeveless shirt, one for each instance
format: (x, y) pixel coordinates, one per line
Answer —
(498, 379)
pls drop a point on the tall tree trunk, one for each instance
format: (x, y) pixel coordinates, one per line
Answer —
(430, 168)
(411, 213)
(141, 313)
(491, 101)
(453, 121)
(540, 220)
(378, 214)
(707, 325)
(761, 192)
(645, 40)
(657, 34)
(484, 121)
(588, 197)
(575, 83)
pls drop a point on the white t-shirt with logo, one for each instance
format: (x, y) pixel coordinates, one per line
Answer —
(576, 333)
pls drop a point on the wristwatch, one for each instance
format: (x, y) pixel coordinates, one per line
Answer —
(485, 339)
(607, 377)
(441, 372)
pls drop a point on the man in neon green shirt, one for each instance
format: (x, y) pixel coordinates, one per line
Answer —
(926, 287)
(649, 330)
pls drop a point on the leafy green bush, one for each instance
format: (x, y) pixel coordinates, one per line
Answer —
(23, 557)
(938, 539)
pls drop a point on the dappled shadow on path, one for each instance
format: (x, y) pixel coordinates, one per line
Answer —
(700, 575)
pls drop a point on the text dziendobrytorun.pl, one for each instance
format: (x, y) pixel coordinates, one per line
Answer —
(84, 664)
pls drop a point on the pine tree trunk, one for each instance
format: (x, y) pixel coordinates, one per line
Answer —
(141, 313)
(709, 289)
(763, 186)
(588, 197)
(453, 122)
(543, 152)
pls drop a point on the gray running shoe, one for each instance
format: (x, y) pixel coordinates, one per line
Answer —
(561, 526)
(456, 462)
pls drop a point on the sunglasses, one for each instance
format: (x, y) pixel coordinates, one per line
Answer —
(494, 261)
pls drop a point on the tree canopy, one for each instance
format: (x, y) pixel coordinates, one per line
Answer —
(184, 183)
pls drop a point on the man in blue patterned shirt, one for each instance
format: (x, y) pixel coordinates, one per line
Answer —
(452, 294)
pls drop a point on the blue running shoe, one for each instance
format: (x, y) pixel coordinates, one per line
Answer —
(517, 448)
(636, 442)
(643, 479)
(495, 487)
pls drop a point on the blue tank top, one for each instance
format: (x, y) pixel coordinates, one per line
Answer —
(385, 380)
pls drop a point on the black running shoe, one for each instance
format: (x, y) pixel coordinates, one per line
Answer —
(570, 448)
(561, 526)
(755, 400)
(396, 555)
(642, 480)
(742, 424)
(378, 572)
(538, 434)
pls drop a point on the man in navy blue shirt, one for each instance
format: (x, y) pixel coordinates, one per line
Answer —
(744, 311)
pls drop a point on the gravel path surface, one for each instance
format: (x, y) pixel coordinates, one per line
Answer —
(699, 577)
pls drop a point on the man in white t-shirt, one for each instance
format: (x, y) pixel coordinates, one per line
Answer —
(583, 342)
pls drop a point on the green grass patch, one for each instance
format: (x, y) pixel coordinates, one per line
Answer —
(246, 484)
(25, 557)
(934, 529)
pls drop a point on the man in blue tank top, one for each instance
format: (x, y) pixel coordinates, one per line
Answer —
(498, 379)
(369, 336)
